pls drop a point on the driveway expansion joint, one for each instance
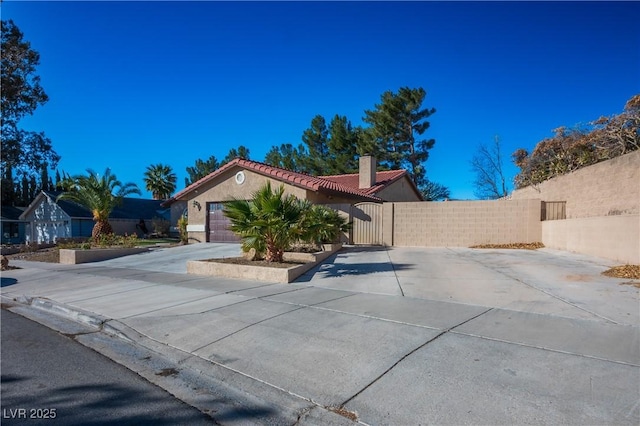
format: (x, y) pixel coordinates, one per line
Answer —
(436, 337)
(395, 273)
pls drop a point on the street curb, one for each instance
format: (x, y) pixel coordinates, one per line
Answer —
(227, 396)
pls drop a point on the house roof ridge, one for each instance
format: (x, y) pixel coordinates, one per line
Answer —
(303, 179)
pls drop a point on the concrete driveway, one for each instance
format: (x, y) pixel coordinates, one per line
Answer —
(174, 259)
(396, 336)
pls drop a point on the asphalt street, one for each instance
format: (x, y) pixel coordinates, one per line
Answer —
(48, 378)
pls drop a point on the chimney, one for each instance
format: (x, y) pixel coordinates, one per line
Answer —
(367, 165)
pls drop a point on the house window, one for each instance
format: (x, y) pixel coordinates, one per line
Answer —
(215, 207)
(11, 230)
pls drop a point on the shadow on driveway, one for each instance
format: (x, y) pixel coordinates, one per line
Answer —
(336, 266)
(6, 282)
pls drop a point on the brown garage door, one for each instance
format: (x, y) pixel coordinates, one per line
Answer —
(219, 226)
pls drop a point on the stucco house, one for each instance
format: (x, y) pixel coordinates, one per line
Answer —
(48, 220)
(240, 178)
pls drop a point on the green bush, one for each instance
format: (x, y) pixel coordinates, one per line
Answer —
(322, 225)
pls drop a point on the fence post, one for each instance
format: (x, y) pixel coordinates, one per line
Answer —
(387, 224)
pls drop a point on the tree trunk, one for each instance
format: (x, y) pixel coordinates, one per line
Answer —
(101, 228)
(274, 254)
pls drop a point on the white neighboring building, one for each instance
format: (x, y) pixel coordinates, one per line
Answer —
(49, 221)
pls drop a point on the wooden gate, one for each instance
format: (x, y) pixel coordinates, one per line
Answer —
(367, 223)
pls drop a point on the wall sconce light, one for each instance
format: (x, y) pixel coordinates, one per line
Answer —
(197, 205)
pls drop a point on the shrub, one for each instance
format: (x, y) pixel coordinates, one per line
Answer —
(322, 225)
(182, 229)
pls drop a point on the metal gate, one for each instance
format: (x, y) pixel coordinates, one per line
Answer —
(367, 223)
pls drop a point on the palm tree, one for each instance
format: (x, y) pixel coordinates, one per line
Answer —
(160, 180)
(268, 223)
(99, 194)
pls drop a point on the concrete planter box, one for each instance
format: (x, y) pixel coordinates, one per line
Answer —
(263, 273)
(327, 250)
(72, 257)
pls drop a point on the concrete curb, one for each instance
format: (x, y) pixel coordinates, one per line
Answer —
(227, 396)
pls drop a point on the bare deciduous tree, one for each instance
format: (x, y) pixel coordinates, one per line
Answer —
(490, 182)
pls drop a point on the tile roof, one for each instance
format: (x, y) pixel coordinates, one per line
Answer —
(383, 179)
(340, 184)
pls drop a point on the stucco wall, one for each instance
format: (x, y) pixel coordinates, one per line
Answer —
(608, 188)
(461, 223)
(225, 188)
(610, 237)
(399, 191)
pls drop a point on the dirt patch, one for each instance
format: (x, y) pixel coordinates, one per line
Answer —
(624, 271)
(50, 255)
(520, 246)
(243, 261)
(344, 413)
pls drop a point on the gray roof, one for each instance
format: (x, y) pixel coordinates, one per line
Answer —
(131, 208)
(11, 213)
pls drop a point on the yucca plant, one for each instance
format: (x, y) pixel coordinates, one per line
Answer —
(269, 222)
(100, 195)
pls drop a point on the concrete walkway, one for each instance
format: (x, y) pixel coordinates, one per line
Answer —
(394, 336)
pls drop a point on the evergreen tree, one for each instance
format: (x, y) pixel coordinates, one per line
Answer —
(8, 187)
(316, 140)
(241, 152)
(24, 190)
(44, 179)
(343, 145)
(33, 189)
(58, 184)
(286, 157)
(396, 123)
(201, 169)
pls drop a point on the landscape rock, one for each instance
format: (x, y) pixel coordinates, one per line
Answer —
(250, 255)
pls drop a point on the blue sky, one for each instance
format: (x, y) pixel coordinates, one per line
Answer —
(138, 83)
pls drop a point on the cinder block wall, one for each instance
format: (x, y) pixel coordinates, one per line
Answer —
(610, 237)
(603, 209)
(462, 223)
(608, 188)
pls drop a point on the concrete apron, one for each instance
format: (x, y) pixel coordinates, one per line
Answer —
(456, 349)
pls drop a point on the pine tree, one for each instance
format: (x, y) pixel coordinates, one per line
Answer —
(395, 125)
